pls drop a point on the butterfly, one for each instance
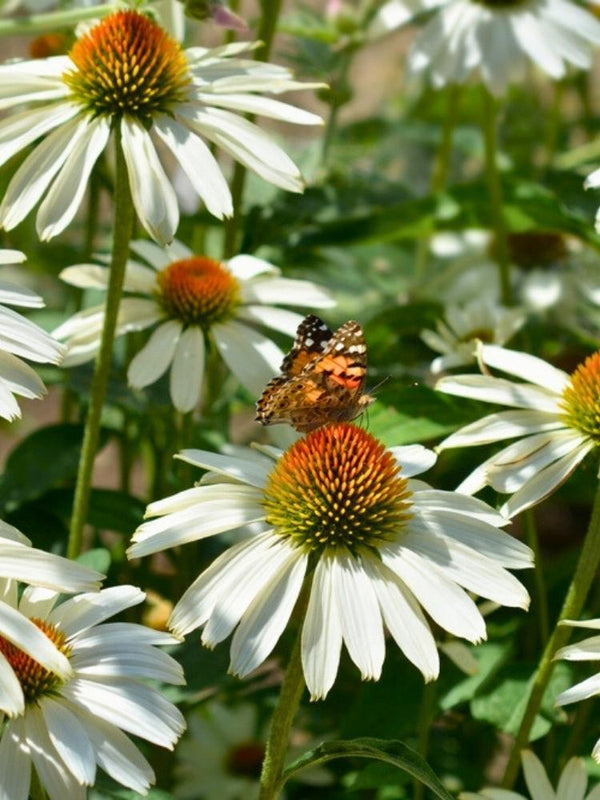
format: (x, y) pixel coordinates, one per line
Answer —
(322, 380)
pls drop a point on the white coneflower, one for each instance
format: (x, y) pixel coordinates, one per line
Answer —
(73, 724)
(480, 320)
(555, 416)
(193, 302)
(126, 72)
(495, 40)
(379, 547)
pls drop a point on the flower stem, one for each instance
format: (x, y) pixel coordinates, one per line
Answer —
(281, 723)
(338, 96)
(540, 582)
(270, 10)
(577, 593)
(426, 715)
(36, 790)
(490, 121)
(123, 227)
(439, 173)
(42, 23)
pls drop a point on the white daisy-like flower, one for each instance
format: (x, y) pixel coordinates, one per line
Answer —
(545, 269)
(232, 742)
(21, 563)
(192, 301)
(553, 414)
(127, 72)
(586, 650)
(20, 338)
(232, 753)
(341, 510)
(572, 784)
(72, 725)
(494, 40)
(457, 334)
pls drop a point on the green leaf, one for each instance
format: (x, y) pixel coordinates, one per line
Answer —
(391, 752)
(98, 559)
(490, 657)
(47, 457)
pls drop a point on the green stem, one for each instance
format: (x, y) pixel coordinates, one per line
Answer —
(270, 10)
(338, 97)
(540, 582)
(426, 714)
(439, 173)
(585, 572)
(281, 723)
(490, 137)
(123, 226)
(42, 23)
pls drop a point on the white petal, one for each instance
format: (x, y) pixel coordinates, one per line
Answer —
(64, 198)
(70, 739)
(252, 469)
(444, 601)
(503, 425)
(278, 319)
(501, 391)
(243, 587)
(414, 459)
(252, 358)
(536, 777)
(525, 366)
(12, 701)
(268, 614)
(85, 610)
(34, 175)
(543, 484)
(187, 369)
(152, 193)
(470, 569)
(262, 106)
(20, 130)
(429, 500)
(15, 764)
(322, 630)
(573, 781)
(198, 163)
(19, 630)
(403, 618)
(154, 358)
(245, 267)
(268, 291)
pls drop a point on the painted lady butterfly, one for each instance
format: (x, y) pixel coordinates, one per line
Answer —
(322, 380)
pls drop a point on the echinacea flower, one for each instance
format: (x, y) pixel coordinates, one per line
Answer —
(586, 650)
(457, 334)
(192, 302)
(572, 784)
(553, 414)
(20, 338)
(496, 41)
(127, 74)
(341, 508)
(72, 725)
(22, 564)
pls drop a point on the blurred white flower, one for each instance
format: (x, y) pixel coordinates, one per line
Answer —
(494, 41)
(192, 301)
(456, 335)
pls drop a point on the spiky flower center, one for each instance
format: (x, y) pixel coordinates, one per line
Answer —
(581, 398)
(197, 291)
(244, 760)
(337, 487)
(127, 64)
(35, 680)
(531, 249)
